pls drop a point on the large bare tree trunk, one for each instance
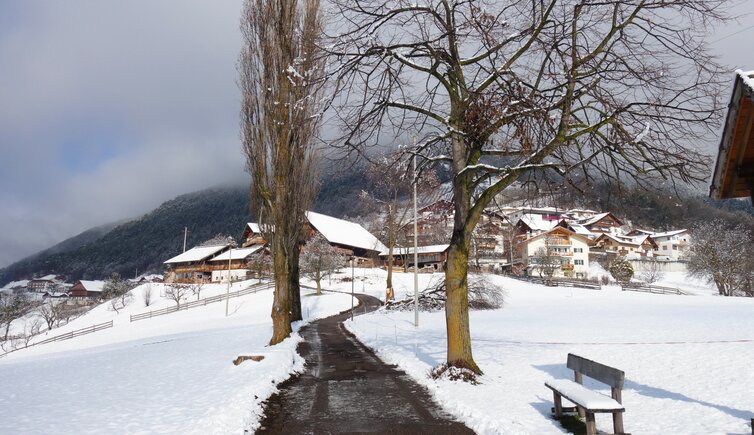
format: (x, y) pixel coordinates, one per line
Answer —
(281, 303)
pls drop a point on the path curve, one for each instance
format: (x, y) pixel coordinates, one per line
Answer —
(346, 388)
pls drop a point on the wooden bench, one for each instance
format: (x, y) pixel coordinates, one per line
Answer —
(589, 402)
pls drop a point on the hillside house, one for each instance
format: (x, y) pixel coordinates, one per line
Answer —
(41, 285)
(434, 223)
(560, 249)
(733, 176)
(193, 266)
(602, 223)
(430, 257)
(642, 245)
(349, 238)
(86, 290)
(672, 244)
(235, 262)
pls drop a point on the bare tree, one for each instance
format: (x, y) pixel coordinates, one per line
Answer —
(281, 74)
(390, 186)
(11, 308)
(31, 330)
(146, 294)
(196, 289)
(177, 293)
(504, 91)
(652, 270)
(319, 260)
(722, 255)
(117, 291)
(546, 261)
(50, 312)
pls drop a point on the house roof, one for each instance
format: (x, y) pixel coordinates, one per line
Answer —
(430, 249)
(629, 240)
(343, 232)
(668, 233)
(733, 175)
(93, 286)
(561, 229)
(197, 253)
(536, 223)
(237, 254)
(596, 218)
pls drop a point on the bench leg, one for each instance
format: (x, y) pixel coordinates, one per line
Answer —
(591, 425)
(558, 404)
(618, 422)
(580, 411)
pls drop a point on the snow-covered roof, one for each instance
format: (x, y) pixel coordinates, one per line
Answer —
(536, 223)
(237, 254)
(430, 249)
(93, 286)
(594, 219)
(668, 234)
(628, 240)
(198, 253)
(747, 77)
(344, 232)
(580, 229)
(15, 284)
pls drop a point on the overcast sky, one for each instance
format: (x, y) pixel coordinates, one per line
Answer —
(108, 108)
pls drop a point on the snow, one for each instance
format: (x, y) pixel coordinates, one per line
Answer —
(93, 286)
(15, 284)
(237, 254)
(168, 374)
(198, 253)
(587, 398)
(747, 77)
(344, 233)
(430, 249)
(687, 359)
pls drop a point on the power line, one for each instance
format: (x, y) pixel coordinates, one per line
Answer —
(734, 34)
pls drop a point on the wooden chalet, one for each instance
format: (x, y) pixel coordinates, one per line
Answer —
(235, 263)
(734, 171)
(602, 223)
(642, 245)
(431, 257)
(193, 266)
(83, 290)
(42, 285)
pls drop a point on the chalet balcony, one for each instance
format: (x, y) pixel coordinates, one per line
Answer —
(566, 266)
(558, 241)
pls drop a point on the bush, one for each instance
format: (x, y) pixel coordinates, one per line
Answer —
(621, 270)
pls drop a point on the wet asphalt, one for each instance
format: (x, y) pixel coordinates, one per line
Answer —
(346, 389)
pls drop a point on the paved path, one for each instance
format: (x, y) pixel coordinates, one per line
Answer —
(347, 389)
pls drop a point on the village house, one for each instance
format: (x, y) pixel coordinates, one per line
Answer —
(86, 290)
(602, 223)
(41, 285)
(561, 247)
(349, 238)
(235, 262)
(641, 245)
(193, 266)
(733, 176)
(430, 257)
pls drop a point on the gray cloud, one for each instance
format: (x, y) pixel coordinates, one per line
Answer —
(108, 108)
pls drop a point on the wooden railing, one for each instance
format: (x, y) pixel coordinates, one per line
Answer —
(656, 289)
(67, 336)
(201, 302)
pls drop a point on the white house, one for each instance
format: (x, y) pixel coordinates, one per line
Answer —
(672, 244)
(234, 262)
(561, 245)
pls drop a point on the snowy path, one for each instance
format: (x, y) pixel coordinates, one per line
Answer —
(347, 389)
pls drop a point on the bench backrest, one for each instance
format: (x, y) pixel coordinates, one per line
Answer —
(605, 374)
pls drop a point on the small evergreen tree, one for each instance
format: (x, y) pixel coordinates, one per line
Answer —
(621, 270)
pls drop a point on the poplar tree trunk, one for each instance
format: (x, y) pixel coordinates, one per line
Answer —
(281, 303)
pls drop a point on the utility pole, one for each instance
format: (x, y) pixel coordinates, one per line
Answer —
(416, 252)
(185, 234)
(231, 242)
(352, 296)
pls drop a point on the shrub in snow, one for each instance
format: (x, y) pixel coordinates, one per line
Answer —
(483, 295)
(117, 291)
(444, 371)
(621, 270)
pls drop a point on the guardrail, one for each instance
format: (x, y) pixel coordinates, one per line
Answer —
(200, 303)
(66, 336)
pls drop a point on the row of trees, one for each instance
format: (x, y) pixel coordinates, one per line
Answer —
(498, 92)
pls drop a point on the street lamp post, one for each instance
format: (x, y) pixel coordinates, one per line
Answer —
(231, 242)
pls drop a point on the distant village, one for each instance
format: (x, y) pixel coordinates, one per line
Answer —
(508, 240)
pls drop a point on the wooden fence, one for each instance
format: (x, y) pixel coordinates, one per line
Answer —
(656, 289)
(67, 336)
(555, 282)
(201, 302)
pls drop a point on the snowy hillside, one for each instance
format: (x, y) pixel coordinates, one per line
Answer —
(687, 359)
(168, 374)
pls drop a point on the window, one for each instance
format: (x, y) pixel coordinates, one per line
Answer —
(675, 247)
(578, 262)
(578, 250)
(664, 247)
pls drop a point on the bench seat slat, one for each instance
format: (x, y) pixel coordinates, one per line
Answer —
(582, 396)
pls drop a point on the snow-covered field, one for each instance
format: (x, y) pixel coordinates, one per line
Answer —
(168, 374)
(687, 359)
